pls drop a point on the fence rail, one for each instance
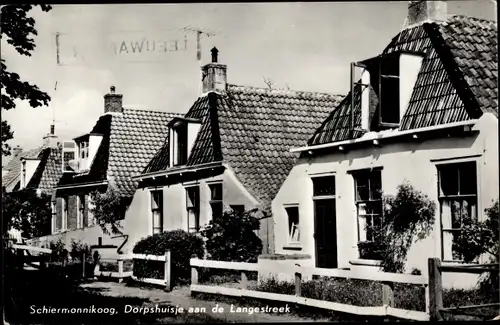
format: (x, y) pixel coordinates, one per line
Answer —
(438, 270)
(387, 279)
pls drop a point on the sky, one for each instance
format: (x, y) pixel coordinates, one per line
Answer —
(148, 52)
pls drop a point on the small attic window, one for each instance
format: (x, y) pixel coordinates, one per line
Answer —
(385, 79)
(183, 132)
(180, 136)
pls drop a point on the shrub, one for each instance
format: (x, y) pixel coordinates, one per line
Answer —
(231, 237)
(182, 246)
(408, 216)
(109, 208)
(78, 249)
(59, 252)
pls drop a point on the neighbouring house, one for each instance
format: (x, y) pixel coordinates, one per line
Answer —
(425, 111)
(229, 151)
(38, 169)
(120, 145)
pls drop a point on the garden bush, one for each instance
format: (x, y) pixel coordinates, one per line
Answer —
(232, 237)
(59, 251)
(182, 245)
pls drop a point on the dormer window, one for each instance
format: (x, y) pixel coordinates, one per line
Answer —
(183, 132)
(84, 155)
(392, 76)
(23, 175)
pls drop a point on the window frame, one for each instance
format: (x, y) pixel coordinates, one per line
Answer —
(371, 200)
(180, 144)
(290, 228)
(194, 208)
(64, 212)
(158, 208)
(80, 211)
(474, 165)
(53, 206)
(216, 201)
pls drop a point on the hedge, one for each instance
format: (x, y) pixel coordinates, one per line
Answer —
(182, 245)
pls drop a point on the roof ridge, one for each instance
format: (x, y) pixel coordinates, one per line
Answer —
(148, 110)
(291, 91)
(476, 19)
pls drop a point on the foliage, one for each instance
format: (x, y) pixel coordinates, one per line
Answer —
(182, 246)
(232, 237)
(78, 248)
(28, 212)
(59, 251)
(480, 237)
(108, 209)
(17, 28)
(408, 216)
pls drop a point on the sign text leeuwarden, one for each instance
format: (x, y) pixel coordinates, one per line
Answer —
(149, 46)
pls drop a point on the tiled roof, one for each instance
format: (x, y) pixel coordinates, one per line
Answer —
(252, 130)
(14, 166)
(457, 80)
(129, 142)
(49, 170)
(135, 137)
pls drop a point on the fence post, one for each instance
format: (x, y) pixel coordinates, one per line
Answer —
(120, 269)
(388, 294)
(83, 265)
(168, 283)
(194, 273)
(435, 289)
(244, 280)
(298, 282)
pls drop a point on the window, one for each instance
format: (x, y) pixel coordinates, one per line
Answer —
(458, 200)
(64, 223)
(216, 200)
(180, 140)
(157, 211)
(193, 208)
(368, 200)
(84, 155)
(54, 216)
(293, 224)
(323, 186)
(90, 215)
(80, 211)
(385, 76)
(239, 209)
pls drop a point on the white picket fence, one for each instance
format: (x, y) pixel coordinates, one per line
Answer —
(387, 279)
(121, 274)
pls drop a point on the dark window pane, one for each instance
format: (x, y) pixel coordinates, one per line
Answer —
(467, 177)
(448, 180)
(456, 214)
(216, 191)
(216, 209)
(323, 185)
(238, 208)
(192, 194)
(375, 185)
(390, 100)
(293, 217)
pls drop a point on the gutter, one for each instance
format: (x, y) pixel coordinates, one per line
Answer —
(382, 136)
(82, 185)
(185, 169)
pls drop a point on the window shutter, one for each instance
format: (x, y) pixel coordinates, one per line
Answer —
(69, 157)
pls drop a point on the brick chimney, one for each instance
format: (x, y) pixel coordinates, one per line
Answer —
(113, 103)
(50, 140)
(420, 11)
(214, 75)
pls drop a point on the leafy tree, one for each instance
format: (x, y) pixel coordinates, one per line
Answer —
(232, 237)
(17, 28)
(28, 212)
(108, 209)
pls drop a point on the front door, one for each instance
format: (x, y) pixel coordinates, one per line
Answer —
(325, 222)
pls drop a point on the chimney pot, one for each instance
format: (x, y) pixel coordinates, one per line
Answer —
(113, 103)
(420, 11)
(214, 74)
(215, 53)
